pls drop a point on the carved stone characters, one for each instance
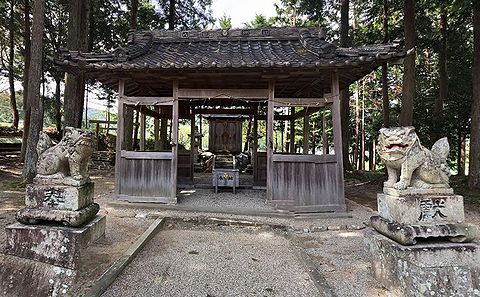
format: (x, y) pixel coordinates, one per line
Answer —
(67, 161)
(409, 164)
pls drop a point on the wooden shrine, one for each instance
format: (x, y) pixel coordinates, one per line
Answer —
(176, 75)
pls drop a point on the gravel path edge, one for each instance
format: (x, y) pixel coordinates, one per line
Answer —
(109, 276)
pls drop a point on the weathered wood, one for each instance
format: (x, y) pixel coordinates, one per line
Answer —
(147, 100)
(308, 102)
(156, 130)
(319, 159)
(225, 135)
(174, 132)
(242, 111)
(269, 142)
(260, 170)
(306, 133)
(337, 137)
(185, 168)
(120, 136)
(292, 130)
(223, 93)
(142, 131)
(146, 155)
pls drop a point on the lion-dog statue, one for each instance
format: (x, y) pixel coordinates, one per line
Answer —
(66, 161)
(417, 166)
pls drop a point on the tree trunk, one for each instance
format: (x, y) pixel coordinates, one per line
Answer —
(443, 76)
(406, 115)
(26, 105)
(133, 15)
(385, 100)
(474, 166)
(460, 154)
(77, 40)
(344, 94)
(11, 79)
(171, 15)
(34, 75)
(58, 105)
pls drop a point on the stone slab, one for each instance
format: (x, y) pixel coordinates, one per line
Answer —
(441, 269)
(59, 196)
(60, 246)
(20, 277)
(421, 210)
(71, 218)
(411, 191)
(409, 235)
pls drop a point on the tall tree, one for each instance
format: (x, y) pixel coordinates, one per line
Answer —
(406, 115)
(11, 70)
(34, 75)
(134, 15)
(442, 72)
(77, 40)
(474, 166)
(26, 106)
(344, 94)
(385, 100)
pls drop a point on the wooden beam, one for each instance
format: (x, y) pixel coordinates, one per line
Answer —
(271, 98)
(223, 93)
(142, 131)
(309, 102)
(174, 139)
(147, 100)
(306, 133)
(224, 111)
(120, 136)
(156, 129)
(337, 137)
(146, 155)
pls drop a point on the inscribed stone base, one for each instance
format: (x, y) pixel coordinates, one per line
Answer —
(435, 269)
(20, 277)
(60, 246)
(421, 209)
(59, 196)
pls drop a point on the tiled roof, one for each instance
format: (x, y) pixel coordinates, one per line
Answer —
(293, 48)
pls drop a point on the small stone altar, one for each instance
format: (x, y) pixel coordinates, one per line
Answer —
(420, 244)
(60, 218)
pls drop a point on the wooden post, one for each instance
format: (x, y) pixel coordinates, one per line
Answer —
(120, 135)
(292, 130)
(163, 129)
(337, 137)
(193, 151)
(326, 150)
(269, 142)
(174, 129)
(156, 128)
(255, 143)
(306, 133)
(142, 131)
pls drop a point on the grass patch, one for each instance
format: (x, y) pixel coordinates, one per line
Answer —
(459, 185)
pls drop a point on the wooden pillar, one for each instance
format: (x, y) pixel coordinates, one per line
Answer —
(326, 151)
(269, 142)
(128, 127)
(174, 129)
(156, 128)
(120, 135)
(193, 150)
(142, 131)
(337, 137)
(292, 130)
(163, 129)
(255, 144)
(306, 133)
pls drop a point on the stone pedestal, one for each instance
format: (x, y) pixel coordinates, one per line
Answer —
(59, 246)
(58, 203)
(438, 269)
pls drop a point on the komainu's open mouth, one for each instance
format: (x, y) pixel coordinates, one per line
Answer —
(393, 145)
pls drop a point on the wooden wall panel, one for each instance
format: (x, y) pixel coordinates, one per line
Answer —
(306, 186)
(225, 135)
(185, 168)
(145, 177)
(260, 170)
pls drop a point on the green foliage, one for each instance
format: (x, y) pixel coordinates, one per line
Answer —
(225, 22)
(260, 21)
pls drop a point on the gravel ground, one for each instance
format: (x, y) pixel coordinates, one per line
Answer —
(341, 258)
(206, 198)
(221, 262)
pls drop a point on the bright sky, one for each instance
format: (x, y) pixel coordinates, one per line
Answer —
(242, 11)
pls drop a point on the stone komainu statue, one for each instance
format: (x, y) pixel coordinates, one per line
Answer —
(68, 158)
(416, 165)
